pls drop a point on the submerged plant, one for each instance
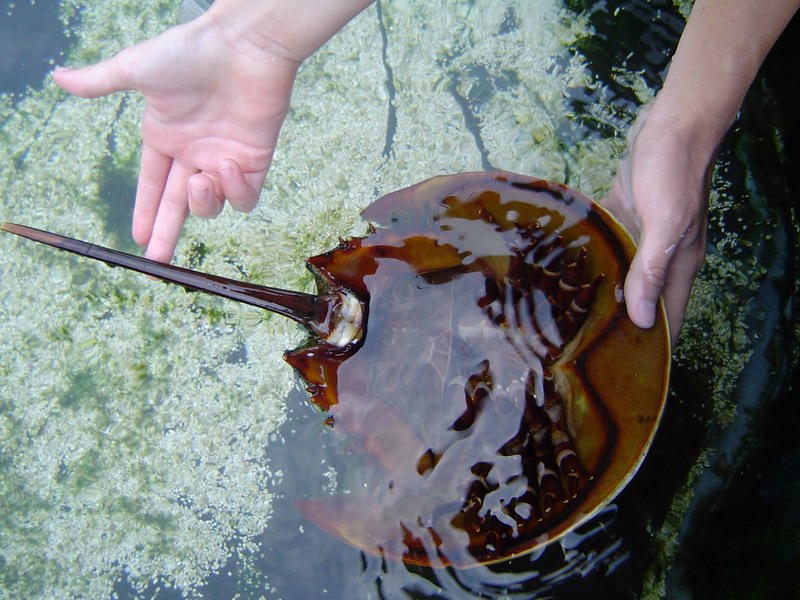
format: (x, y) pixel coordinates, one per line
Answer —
(136, 421)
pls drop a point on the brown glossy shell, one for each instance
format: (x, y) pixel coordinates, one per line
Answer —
(476, 353)
(499, 392)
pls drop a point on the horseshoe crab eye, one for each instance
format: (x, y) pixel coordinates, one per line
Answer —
(346, 321)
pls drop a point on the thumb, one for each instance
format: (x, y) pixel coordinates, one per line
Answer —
(646, 280)
(93, 81)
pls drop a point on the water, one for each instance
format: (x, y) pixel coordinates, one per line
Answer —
(33, 39)
(153, 440)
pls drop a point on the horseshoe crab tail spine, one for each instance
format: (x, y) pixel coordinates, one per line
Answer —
(320, 314)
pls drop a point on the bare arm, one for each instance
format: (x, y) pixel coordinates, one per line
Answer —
(718, 57)
(661, 189)
(298, 27)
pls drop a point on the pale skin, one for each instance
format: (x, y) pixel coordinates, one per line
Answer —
(661, 190)
(218, 90)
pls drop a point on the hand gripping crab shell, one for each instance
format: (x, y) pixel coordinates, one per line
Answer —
(475, 350)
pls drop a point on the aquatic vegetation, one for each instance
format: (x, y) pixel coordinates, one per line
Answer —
(154, 469)
(684, 6)
(125, 469)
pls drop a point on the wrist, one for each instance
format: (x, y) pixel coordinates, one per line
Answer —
(698, 127)
(291, 31)
(718, 56)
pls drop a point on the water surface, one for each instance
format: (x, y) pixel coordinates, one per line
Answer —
(152, 441)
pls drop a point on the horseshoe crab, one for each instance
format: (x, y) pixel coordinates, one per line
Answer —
(474, 348)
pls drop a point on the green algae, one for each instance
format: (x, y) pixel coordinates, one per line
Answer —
(102, 437)
(684, 6)
(135, 419)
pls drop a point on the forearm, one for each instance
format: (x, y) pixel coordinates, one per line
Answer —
(296, 28)
(718, 57)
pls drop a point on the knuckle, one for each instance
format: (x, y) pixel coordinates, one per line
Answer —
(655, 276)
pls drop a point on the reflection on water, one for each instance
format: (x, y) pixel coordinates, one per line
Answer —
(153, 440)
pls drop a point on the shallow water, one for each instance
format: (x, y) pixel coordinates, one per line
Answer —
(152, 440)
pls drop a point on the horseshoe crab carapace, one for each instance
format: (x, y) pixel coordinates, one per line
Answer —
(475, 348)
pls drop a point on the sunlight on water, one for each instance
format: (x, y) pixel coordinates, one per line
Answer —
(138, 422)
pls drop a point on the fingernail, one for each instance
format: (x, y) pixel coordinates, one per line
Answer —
(647, 313)
(226, 171)
(199, 190)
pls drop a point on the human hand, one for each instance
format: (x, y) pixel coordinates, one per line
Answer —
(660, 194)
(215, 106)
